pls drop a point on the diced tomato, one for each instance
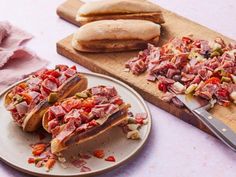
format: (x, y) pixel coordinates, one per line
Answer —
(110, 159)
(162, 87)
(61, 67)
(225, 104)
(31, 160)
(22, 85)
(223, 92)
(212, 80)
(99, 153)
(118, 102)
(17, 90)
(69, 104)
(38, 149)
(73, 67)
(26, 97)
(187, 40)
(88, 104)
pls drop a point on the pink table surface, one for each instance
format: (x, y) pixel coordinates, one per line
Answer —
(174, 149)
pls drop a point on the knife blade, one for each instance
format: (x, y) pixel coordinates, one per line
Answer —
(199, 108)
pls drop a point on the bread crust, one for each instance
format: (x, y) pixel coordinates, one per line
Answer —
(155, 17)
(33, 119)
(104, 7)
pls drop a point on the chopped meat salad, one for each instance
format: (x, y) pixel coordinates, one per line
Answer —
(205, 69)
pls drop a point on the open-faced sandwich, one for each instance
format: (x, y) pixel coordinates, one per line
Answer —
(84, 116)
(29, 100)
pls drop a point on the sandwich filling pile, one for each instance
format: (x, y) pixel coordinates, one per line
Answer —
(205, 69)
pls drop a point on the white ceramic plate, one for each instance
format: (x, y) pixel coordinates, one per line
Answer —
(15, 149)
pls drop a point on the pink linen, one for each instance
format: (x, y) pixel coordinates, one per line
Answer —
(16, 61)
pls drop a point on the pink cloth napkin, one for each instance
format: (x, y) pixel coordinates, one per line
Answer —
(16, 61)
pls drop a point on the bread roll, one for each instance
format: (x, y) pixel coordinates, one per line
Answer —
(119, 9)
(115, 35)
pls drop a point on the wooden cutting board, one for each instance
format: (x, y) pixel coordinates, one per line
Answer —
(112, 64)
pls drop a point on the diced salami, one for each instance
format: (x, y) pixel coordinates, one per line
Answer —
(22, 108)
(57, 111)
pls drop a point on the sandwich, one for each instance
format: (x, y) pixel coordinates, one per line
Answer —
(28, 101)
(84, 116)
(119, 9)
(115, 35)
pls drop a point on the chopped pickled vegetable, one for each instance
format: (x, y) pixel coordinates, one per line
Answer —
(52, 98)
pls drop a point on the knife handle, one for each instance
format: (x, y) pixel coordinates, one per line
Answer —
(222, 131)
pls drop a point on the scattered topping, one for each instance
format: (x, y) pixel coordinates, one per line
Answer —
(190, 66)
(84, 156)
(42, 156)
(110, 159)
(38, 149)
(50, 163)
(85, 169)
(99, 153)
(79, 163)
(134, 135)
(132, 125)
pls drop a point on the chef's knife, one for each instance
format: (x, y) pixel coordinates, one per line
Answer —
(199, 108)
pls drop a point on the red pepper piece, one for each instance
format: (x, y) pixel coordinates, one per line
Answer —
(162, 87)
(99, 153)
(110, 159)
(31, 160)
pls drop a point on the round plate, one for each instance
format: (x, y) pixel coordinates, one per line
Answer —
(15, 144)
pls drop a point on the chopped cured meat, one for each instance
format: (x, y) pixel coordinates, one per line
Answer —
(111, 91)
(112, 109)
(49, 85)
(68, 130)
(70, 72)
(78, 163)
(98, 112)
(22, 108)
(172, 72)
(57, 111)
(167, 97)
(165, 80)
(185, 62)
(52, 124)
(85, 169)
